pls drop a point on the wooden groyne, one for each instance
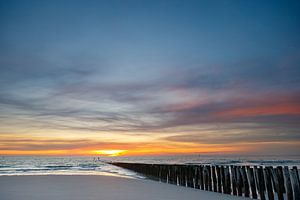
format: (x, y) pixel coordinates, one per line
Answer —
(257, 182)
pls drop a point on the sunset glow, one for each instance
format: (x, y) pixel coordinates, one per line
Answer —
(109, 152)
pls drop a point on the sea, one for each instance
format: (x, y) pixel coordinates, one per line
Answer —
(91, 165)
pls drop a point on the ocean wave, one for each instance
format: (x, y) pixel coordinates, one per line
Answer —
(5, 166)
(92, 165)
(29, 169)
(58, 167)
(88, 165)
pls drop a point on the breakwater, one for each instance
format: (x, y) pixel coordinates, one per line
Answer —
(257, 182)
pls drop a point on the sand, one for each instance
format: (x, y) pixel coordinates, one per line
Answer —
(85, 187)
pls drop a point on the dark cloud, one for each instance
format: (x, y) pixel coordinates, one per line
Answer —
(144, 109)
(235, 134)
(30, 144)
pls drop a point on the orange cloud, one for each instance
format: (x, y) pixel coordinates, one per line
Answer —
(37, 146)
(292, 108)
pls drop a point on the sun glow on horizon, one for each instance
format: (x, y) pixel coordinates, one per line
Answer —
(110, 152)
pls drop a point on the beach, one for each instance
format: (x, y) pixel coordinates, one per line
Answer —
(74, 177)
(92, 187)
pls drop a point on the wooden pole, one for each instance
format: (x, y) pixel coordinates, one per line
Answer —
(276, 183)
(268, 179)
(197, 181)
(223, 179)
(209, 178)
(205, 175)
(165, 173)
(201, 177)
(245, 181)
(227, 180)
(172, 175)
(182, 176)
(296, 171)
(295, 182)
(252, 182)
(239, 181)
(219, 179)
(279, 172)
(233, 177)
(190, 176)
(261, 182)
(288, 184)
(214, 178)
(176, 175)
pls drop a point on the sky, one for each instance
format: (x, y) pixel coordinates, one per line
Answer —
(149, 77)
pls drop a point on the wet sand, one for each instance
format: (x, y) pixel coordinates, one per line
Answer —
(86, 187)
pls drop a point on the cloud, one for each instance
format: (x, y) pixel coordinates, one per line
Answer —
(46, 144)
(146, 107)
(41, 144)
(82, 93)
(239, 133)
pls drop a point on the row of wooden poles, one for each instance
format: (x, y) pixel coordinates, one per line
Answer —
(254, 182)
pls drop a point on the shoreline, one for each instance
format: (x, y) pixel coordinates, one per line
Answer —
(78, 187)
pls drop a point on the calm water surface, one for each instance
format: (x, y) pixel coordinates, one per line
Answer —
(73, 165)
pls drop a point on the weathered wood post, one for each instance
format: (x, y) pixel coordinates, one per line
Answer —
(165, 173)
(214, 178)
(252, 182)
(276, 183)
(288, 184)
(171, 175)
(296, 170)
(209, 178)
(197, 178)
(193, 176)
(205, 176)
(261, 182)
(177, 175)
(156, 172)
(239, 181)
(245, 181)
(295, 182)
(201, 177)
(233, 178)
(227, 180)
(182, 176)
(168, 173)
(219, 179)
(268, 175)
(223, 179)
(174, 174)
(197, 182)
(187, 175)
(159, 173)
(280, 178)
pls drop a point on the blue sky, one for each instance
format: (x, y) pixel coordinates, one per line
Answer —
(196, 72)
